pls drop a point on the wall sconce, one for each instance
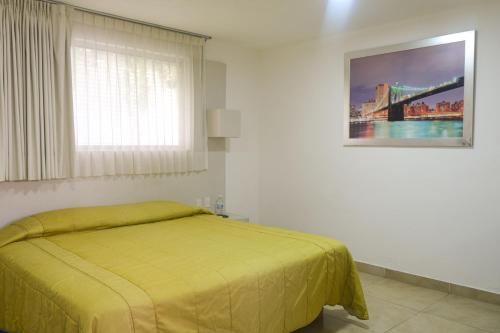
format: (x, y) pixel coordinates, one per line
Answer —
(222, 123)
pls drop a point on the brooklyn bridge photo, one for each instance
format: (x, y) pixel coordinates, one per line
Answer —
(412, 94)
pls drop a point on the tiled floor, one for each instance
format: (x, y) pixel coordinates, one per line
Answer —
(397, 307)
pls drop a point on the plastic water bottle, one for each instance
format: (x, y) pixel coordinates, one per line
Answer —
(219, 205)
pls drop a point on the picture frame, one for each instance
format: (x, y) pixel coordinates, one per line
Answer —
(415, 94)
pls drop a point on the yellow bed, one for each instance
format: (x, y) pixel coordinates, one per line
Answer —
(167, 267)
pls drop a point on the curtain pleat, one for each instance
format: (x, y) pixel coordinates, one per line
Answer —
(36, 119)
(139, 100)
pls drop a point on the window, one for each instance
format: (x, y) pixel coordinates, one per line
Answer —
(125, 99)
(138, 98)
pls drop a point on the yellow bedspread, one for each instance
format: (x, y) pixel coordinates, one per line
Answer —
(167, 267)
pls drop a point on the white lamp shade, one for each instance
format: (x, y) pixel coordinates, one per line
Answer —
(222, 123)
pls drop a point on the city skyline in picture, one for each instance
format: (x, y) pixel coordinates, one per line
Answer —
(413, 94)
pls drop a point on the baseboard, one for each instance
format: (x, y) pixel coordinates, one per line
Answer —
(447, 287)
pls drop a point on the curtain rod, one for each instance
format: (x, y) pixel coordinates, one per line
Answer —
(91, 11)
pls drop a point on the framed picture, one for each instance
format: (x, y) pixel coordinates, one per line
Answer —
(413, 94)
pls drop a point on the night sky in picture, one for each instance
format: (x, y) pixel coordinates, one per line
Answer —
(422, 67)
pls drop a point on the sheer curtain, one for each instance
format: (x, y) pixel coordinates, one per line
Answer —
(138, 98)
(36, 122)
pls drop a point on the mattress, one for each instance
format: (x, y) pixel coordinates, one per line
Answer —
(167, 267)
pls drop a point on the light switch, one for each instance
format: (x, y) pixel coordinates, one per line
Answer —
(207, 202)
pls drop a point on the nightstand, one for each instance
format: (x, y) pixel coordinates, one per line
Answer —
(235, 217)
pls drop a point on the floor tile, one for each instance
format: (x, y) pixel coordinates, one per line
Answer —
(469, 312)
(397, 307)
(416, 298)
(425, 323)
(330, 324)
(369, 279)
(383, 315)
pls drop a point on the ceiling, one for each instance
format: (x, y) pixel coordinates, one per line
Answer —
(264, 23)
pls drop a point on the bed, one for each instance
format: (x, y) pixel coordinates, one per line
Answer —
(167, 267)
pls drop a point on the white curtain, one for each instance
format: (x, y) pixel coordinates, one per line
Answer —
(138, 98)
(36, 123)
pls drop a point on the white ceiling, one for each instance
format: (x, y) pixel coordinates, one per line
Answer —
(264, 23)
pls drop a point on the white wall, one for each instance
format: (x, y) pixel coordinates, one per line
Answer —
(24, 198)
(242, 157)
(430, 212)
